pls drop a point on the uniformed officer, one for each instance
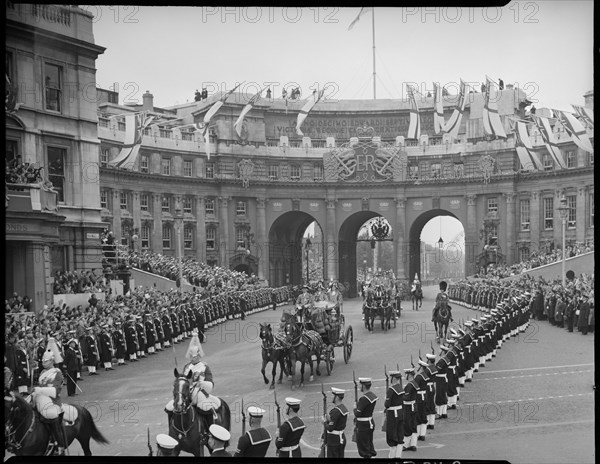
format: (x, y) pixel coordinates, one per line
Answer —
(131, 338)
(150, 333)
(106, 348)
(421, 380)
(288, 436)
(255, 442)
(394, 433)
(21, 377)
(167, 328)
(141, 334)
(363, 414)
(335, 424)
(120, 345)
(218, 440)
(410, 411)
(92, 355)
(441, 386)
(165, 445)
(430, 409)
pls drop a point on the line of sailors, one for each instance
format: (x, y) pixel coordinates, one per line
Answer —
(478, 296)
(431, 388)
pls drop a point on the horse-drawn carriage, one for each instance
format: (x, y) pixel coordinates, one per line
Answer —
(381, 301)
(336, 335)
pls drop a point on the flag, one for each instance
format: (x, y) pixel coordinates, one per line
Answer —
(575, 130)
(311, 101)
(527, 157)
(10, 102)
(208, 116)
(492, 125)
(414, 125)
(363, 11)
(135, 124)
(543, 126)
(453, 124)
(438, 109)
(585, 114)
(247, 108)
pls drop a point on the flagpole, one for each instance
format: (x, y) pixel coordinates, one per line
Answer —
(374, 73)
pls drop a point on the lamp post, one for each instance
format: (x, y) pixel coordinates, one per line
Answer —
(563, 210)
(179, 226)
(308, 247)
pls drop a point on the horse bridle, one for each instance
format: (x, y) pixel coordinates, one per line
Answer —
(184, 431)
(268, 340)
(10, 431)
(297, 341)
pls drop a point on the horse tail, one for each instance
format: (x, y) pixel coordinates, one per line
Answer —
(225, 414)
(88, 421)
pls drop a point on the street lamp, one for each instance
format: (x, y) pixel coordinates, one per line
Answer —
(308, 247)
(179, 226)
(563, 210)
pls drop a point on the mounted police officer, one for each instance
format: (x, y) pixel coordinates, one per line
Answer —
(255, 442)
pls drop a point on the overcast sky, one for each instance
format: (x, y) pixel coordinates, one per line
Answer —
(544, 46)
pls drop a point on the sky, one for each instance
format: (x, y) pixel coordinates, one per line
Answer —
(545, 47)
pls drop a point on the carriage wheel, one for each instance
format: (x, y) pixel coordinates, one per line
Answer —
(328, 359)
(348, 342)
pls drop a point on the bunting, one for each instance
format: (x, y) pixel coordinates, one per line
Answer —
(414, 125)
(135, 124)
(247, 108)
(543, 126)
(453, 124)
(492, 125)
(209, 115)
(362, 12)
(575, 130)
(527, 157)
(310, 103)
(586, 115)
(438, 109)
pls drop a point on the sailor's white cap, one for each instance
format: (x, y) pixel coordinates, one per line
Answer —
(220, 433)
(255, 411)
(338, 391)
(365, 379)
(292, 401)
(165, 441)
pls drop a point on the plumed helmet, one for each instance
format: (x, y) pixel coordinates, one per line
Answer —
(195, 347)
(53, 347)
(48, 356)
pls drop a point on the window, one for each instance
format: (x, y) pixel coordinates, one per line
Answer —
(56, 170)
(492, 205)
(166, 204)
(188, 234)
(12, 150)
(104, 156)
(525, 222)
(210, 170)
(524, 253)
(211, 233)
(547, 161)
(571, 157)
(144, 163)
(318, 173)
(144, 202)
(273, 172)
(209, 206)
(459, 169)
(145, 237)
(187, 205)
(295, 172)
(413, 171)
(123, 200)
(166, 236)
(53, 84)
(104, 199)
(165, 164)
(572, 205)
(187, 168)
(240, 208)
(548, 213)
(240, 237)
(436, 170)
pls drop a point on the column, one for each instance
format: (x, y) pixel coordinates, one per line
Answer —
(331, 249)
(534, 218)
(116, 210)
(157, 216)
(582, 217)
(261, 238)
(472, 248)
(510, 233)
(37, 274)
(399, 234)
(137, 218)
(200, 230)
(223, 231)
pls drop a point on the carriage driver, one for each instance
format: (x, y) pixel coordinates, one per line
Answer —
(46, 396)
(441, 301)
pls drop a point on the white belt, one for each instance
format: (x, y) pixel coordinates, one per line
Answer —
(441, 375)
(336, 432)
(409, 402)
(394, 408)
(364, 419)
(288, 448)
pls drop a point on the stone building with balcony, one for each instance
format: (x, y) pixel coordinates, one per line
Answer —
(248, 205)
(52, 124)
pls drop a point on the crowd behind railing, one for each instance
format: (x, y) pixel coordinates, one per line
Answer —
(18, 172)
(79, 282)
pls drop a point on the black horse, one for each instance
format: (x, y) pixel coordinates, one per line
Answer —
(274, 350)
(416, 296)
(441, 321)
(304, 344)
(378, 304)
(188, 426)
(26, 435)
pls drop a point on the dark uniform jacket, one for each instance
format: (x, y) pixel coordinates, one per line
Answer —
(220, 453)
(336, 425)
(141, 333)
(119, 344)
(22, 371)
(167, 327)
(253, 443)
(394, 415)
(410, 408)
(105, 347)
(289, 435)
(132, 339)
(91, 354)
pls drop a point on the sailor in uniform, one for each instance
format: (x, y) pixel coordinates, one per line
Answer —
(430, 408)
(289, 435)
(165, 445)
(394, 433)
(218, 440)
(410, 411)
(363, 414)
(255, 442)
(335, 424)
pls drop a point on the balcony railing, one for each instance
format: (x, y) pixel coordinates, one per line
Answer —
(52, 14)
(31, 197)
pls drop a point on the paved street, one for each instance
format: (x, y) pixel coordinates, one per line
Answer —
(534, 403)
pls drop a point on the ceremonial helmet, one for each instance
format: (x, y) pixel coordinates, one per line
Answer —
(194, 350)
(52, 346)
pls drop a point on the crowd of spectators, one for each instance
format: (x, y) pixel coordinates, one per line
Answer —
(79, 282)
(18, 172)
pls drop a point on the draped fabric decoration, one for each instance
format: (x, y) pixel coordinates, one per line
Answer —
(247, 108)
(575, 130)
(438, 109)
(135, 124)
(310, 103)
(363, 11)
(492, 124)
(586, 115)
(414, 125)
(543, 126)
(10, 102)
(527, 157)
(208, 116)
(453, 124)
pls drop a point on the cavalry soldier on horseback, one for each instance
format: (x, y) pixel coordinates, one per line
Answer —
(363, 413)
(255, 442)
(335, 424)
(46, 396)
(441, 302)
(394, 431)
(290, 433)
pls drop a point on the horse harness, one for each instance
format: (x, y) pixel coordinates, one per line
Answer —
(182, 432)
(10, 432)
